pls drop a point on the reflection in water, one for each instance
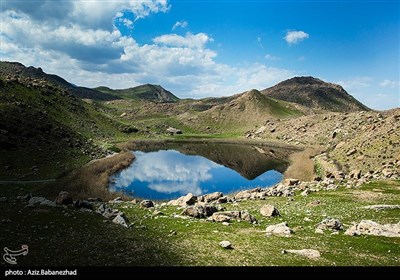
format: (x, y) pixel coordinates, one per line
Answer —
(168, 174)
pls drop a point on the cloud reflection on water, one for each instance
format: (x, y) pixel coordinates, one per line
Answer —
(168, 172)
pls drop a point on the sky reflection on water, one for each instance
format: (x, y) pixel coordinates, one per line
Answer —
(168, 174)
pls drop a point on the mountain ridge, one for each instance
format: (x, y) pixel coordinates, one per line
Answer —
(316, 94)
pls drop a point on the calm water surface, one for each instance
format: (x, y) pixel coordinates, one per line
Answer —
(169, 173)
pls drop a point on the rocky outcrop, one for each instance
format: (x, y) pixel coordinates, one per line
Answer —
(369, 227)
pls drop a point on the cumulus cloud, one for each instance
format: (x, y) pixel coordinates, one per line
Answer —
(189, 41)
(82, 42)
(294, 37)
(389, 83)
(182, 24)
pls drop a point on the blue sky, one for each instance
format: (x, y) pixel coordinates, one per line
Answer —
(210, 48)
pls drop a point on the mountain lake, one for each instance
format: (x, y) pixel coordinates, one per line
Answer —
(166, 171)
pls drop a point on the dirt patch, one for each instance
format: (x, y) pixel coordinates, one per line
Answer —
(92, 180)
(302, 165)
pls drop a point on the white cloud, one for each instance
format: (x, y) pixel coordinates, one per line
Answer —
(389, 83)
(88, 49)
(182, 24)
(190, 40)
(355, 83)
(294, 37)
(272, 57)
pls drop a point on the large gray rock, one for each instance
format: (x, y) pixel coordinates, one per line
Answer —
(330, 224)
(281, 229)
(210, 197)
(308, 253)
(269, 211)
(122, 220)
(199, 211)
(220, 217)
(37, 200)
(64, 198)
(227, 216)
(183, 201)
(369, 227)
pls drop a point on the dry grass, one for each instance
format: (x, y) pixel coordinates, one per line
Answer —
(92, 179)
(302, 165)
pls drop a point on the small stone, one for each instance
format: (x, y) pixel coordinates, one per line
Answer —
(147, 203)
(330, 224)
(225, 224)
(226, 244)
(351, 152)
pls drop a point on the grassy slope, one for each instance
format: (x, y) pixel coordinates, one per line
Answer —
(150, 242)
(49, 128)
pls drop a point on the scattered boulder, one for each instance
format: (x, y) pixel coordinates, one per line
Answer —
(183, 201)
(226, 244)
(227, 216)
(308, 253)
(173, 131)
(121, 219)
(210, 197)
(37, 200)
(147, 203)
(220, 217)
(269, 211)
(369, 227)
(246, 216)
(199, 211)
(246, 194)
(281, 229)
(330, 224)
(63, 198)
